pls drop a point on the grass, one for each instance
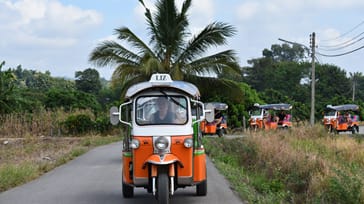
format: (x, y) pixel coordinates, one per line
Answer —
(304, 165)
(24, 159)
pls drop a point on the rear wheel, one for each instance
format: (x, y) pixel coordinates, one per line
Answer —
(201, 188)
(163, 188)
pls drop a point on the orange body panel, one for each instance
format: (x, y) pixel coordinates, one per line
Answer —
(199, 166)
(127, 158)
(184, 155)
(271, 125)
(140, 155)
(178, 152)
(210, 128)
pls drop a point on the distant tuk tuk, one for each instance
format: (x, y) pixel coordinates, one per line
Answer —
(270, 117)
(341, 118)
(163, 150)
(219, 123)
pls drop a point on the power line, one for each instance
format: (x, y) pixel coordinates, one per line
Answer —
(346, 43)
(342, 35)
(344, 46)
(345, 53)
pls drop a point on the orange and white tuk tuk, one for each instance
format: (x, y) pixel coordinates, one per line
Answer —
(218, 125)
(342, 118)
(270, 116)
(163, 150)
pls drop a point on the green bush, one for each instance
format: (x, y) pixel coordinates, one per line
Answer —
(78, 124)
(344, 188)
(103, 125)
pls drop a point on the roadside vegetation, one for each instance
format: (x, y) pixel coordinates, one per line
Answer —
(45, 120)
(24, 159)
(304, 165)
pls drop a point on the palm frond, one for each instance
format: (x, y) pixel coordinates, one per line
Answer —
(210, 87)
(218, 63)
(214, 34)
(111, 53)
(126, 34)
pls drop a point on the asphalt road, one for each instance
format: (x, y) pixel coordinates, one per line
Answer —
(95, 177)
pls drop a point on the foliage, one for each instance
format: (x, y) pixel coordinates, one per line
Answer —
(78, 124)
(70, 99)
(283, 76)
(172, 49)
(88, 81)
(8, 95)
(305, 165)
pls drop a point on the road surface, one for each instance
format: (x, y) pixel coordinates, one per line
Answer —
(95, 177)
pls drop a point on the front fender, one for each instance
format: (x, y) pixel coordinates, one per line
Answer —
(162, 160)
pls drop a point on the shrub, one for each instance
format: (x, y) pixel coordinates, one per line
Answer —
(78, 124)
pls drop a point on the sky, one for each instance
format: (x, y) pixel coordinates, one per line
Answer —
(59, 35)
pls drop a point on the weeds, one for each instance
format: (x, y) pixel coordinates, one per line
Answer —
(305, 165)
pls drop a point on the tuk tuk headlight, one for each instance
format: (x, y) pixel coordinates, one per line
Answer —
(134, 144)
(188, 142)
(162, 144)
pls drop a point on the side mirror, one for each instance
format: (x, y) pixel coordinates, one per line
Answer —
(114, 115)
(210, 112)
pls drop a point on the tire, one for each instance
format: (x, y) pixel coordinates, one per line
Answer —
(220, 132)
(201, 188)
(163, 188)
(128, 191)
(353, 130)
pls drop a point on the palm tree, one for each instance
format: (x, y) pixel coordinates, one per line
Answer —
(172, 49)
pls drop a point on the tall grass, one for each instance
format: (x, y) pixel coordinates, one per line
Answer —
(304, 165)
(40, 123)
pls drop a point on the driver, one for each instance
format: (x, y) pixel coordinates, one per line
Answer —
(164, 114)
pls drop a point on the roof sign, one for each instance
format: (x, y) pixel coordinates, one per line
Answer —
(158, 78)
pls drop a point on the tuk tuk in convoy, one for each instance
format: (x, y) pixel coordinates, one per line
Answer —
(270, 116)
(163, 150)
(219, 124)
(341, 118)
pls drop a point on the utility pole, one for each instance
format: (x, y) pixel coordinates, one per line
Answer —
(313, 80)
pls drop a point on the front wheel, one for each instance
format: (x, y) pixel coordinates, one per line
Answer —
(220, 132)
(201, 188)
(163, 188)
(128, 191)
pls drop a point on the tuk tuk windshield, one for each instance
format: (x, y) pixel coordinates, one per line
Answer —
(256, 112)
(161, 110)
(330, 113)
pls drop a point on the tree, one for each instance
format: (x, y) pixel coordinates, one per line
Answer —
(354, 78)
(171, 50)
(8, 97)
(88, 81)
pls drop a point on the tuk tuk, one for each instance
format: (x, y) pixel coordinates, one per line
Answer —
(341, 118)
(270, 117)
(162, 150)
(219, 124)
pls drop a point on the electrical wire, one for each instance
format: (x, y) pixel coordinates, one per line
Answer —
(344, 34)
(344, 46)
(337, 55)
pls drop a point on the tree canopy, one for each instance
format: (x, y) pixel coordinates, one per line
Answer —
(171, 49)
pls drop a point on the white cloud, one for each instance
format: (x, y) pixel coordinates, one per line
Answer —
(247, 10)
(44, 23)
